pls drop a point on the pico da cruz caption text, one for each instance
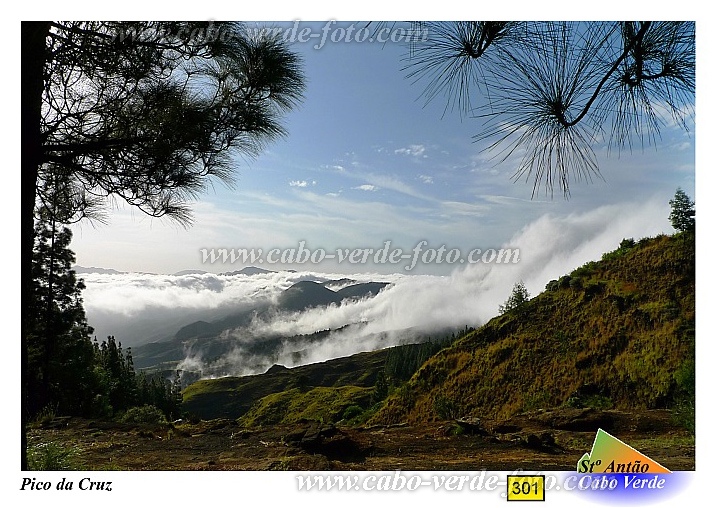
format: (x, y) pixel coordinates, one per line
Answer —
(65, 484)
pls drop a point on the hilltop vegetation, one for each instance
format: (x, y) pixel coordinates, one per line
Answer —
(616, 333)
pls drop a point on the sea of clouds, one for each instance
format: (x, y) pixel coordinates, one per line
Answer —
(138, 308)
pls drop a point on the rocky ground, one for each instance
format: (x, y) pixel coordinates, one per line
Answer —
(542, 440)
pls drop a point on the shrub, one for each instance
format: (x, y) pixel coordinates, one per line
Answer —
(684, 414)
(45, 416)
(685, 377)
(594, 288)
(52, 457)
(627, 243)
(144, 414)
(445, 408)
(352, 412)
(585, 270)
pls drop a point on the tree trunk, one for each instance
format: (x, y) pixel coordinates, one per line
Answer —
(33, 53)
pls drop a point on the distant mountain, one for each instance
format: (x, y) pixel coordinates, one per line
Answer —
(92, 269)
(203, 329)
(248, 270)
(299, 297)
(196, 329)
(190, 272)
(305, 295)
(359, 291)
(338, 283)
(207, 337)
(308, 294)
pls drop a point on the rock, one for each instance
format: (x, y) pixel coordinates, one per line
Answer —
(533, 441)
(294, 437)
(577, 420)
(544, 443)
(547, 439)
(339, 446)
(505, 428)
(57, 422)
(318, 432)
(471, 425)
(276, 369)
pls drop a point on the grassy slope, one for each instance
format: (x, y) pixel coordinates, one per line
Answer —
(619, 331)
(325, 404)
(231, 397)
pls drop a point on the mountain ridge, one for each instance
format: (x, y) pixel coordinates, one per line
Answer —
(616, 333)
(203, 336)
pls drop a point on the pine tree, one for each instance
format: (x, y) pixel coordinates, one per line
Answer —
(381, 388)
(547, 91)
(683, 212)
(119, 371)
(519, 296)
(61, 353)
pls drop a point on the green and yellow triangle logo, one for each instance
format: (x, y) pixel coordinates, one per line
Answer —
(611, 455)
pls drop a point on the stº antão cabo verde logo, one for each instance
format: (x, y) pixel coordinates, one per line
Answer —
(614, 470)
(611, 455)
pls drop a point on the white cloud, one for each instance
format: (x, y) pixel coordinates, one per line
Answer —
(452, 209)
(426, 179)
(366, 187)
(412, 151)
(298, 183)
(550, 246)
(395, 184)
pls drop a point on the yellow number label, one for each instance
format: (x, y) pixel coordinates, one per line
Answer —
(526, 488)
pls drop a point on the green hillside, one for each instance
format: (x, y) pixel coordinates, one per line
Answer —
(232, 397)
(325, 404)
(615, 333)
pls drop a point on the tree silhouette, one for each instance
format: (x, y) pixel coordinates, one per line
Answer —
(149, 113)
(549, 91)
(61, 356)
(683, 212)
(519, 296)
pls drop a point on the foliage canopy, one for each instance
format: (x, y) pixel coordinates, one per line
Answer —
(149, 111)
(519, 296)
(683, 212)
(549, 91)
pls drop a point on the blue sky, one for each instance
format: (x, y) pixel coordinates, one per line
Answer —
(366, 161)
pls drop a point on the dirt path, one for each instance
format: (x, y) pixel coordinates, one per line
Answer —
(544, 441)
